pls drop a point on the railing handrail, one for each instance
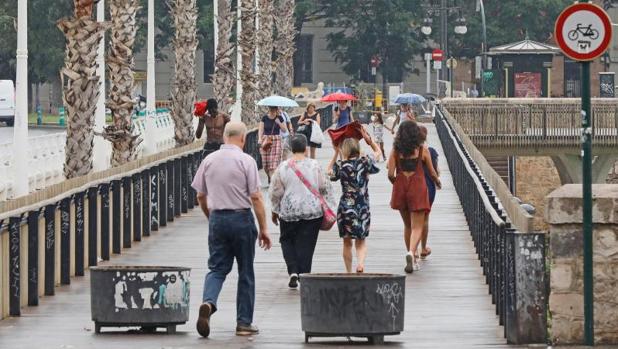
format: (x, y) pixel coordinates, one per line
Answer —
(59, 191)
(479, 186)
(519, 217)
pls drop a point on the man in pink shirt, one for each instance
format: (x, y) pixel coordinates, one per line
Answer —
(228, 185)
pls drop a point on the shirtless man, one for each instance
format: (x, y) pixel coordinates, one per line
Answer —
(215, 122)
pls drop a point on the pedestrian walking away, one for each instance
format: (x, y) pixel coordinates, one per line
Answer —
(269, 140)
(410, 195)
(352, 130)
(305, 126)
(431, 189)
(285, 135)
(405, 113)
(214, 122)
(296, 210)
(228, 186)
(353, 214)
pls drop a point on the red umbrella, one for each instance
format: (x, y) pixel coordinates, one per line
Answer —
(338, 96)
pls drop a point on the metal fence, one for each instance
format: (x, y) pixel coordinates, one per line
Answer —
(521, 123)
(515, 282)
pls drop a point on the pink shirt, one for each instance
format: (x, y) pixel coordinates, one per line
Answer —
(228, 177)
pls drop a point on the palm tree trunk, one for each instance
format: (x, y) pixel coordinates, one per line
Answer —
(80, 85)
(120, 65)
(184, 13)
(286, 33)
(224, 78)
(266, 46)
(247, 74)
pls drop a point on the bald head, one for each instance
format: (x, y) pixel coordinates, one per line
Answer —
(234, 133)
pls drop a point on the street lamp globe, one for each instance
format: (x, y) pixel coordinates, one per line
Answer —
(426, 28)
(460, 27)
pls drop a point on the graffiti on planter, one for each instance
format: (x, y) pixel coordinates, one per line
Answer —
(151, 290)
(391, 294)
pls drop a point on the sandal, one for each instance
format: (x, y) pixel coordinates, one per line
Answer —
(426, 252)
(360, 269)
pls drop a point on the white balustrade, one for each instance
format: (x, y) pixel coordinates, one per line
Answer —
(46, 155)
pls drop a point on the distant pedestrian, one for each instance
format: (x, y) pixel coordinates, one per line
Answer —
(285, 135)
(297, 210)
(269, 139)
(431, 188)
(309, 117)
(377, 130)
(228, 185)
(343, 114)
(405, 113)
(353, 214)
(214, 122)
(410, 194)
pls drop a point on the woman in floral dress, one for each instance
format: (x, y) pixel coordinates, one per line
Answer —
(353, 216)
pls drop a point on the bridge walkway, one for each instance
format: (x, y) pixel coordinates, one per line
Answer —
(447, 302)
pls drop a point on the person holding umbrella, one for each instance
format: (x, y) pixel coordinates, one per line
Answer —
(343, 114)
(269, 132)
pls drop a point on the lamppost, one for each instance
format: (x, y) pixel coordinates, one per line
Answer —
(460, 27)
(20, 127)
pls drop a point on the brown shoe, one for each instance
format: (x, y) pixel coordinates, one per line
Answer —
(246, 330)
(203, 321)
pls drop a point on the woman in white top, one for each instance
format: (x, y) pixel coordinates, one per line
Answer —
(405, 113)
(297, 209)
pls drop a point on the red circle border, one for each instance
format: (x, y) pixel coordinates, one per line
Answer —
(607, 23)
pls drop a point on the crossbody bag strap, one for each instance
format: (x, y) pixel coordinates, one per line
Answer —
(306, 182)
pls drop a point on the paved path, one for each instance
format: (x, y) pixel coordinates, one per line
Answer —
(447, 303)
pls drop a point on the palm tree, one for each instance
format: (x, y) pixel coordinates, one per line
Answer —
(224, 79)
(184, 13)
(265, 47)
(80, 85)
(120, 65)
(247, 46)
(286, 33)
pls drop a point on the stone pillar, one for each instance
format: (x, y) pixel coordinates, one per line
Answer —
(564, 216)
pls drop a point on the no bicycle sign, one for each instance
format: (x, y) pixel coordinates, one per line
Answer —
(583, 31)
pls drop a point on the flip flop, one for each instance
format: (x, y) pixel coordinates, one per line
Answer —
(360, 269)
(426, 254)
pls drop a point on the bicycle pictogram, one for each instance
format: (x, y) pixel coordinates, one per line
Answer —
(586, 32)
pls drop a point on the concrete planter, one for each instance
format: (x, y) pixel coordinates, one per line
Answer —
(149, 297)
(354, 305)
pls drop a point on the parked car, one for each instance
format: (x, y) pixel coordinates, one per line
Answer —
(7, 102)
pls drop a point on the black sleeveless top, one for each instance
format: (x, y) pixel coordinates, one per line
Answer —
(410, 164)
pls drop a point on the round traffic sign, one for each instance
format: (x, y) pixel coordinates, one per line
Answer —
(583, 31)
(451, 63)
(437, 55)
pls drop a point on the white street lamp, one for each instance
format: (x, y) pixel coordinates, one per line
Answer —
(426, 28)
(20, 128)
(101, 150)
(461, 27)
(151, 110)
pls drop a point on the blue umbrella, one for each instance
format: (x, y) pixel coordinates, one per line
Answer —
(409, 98)
(277, 101)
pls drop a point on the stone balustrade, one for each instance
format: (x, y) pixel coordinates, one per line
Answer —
(46, 154)
(564, 216)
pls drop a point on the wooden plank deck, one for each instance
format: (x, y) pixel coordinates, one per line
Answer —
(447, 302)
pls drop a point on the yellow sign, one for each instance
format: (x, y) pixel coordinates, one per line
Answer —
(139, 75)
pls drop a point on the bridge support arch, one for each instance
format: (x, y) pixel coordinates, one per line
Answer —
(570, 167)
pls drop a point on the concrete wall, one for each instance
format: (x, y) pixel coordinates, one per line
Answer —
(564, 215)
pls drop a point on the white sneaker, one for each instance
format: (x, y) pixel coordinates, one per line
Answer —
(409, 263)
(416, 265)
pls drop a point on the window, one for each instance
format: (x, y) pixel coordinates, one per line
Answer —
(572, 78)
(303, 60)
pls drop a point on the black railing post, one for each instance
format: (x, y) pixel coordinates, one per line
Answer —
(65, 241)
(145, 178)
(154, 198)
(137, 207)
(33, 257)
(50, 249)
(105, 233)
(93, 226)
(15, 266)
(78, 200)
(116, 217)
(163, 209)
(178, 179)
(170, 191)
(126, 212)
(184, 190)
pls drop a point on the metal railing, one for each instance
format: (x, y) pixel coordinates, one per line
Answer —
(534, 123)
(498, 242)
(60, 231)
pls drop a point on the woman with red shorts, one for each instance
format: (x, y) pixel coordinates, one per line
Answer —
(410, 195)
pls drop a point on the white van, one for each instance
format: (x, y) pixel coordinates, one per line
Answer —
(7, 102)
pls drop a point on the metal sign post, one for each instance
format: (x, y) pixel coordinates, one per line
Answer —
(583, 32)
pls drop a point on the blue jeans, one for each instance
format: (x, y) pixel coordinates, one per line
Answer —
(232, 235)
